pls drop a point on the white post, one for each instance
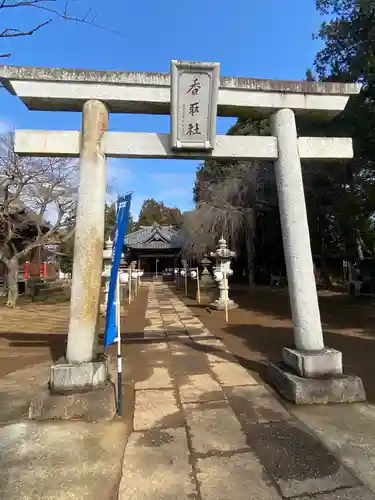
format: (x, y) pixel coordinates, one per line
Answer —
(198, 287)
(130, 284)
(225, 279)
(307, 326)
(89, 236)
(139, 278)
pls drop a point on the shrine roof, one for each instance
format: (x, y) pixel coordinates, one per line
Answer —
(154, 237)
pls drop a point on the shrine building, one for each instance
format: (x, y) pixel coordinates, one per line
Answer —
(156, 248)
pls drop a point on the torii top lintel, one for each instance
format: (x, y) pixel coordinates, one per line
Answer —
(59, 89)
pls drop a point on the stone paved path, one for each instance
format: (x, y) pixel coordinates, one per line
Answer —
(205, 428)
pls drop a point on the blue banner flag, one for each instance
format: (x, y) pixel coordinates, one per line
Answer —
(122, 219)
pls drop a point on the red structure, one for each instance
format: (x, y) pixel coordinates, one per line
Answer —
(41, 265)
(26, 271)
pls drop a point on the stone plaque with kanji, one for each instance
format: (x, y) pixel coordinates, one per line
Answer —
(194, 92)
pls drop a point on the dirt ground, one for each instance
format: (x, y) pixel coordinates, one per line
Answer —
(256, 332)
(261, 327)
(36, 332)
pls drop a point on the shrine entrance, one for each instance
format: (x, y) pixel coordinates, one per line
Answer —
(157, 264)
(193, 94)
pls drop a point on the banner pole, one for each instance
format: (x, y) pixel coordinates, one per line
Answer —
(130, 285)
(112, 331)
(139, 277)
(120, 400)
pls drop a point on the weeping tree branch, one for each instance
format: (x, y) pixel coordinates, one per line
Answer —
(227, 207)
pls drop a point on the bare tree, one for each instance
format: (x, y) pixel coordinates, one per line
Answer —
(37, 207)
(227, 208)
(50, 9)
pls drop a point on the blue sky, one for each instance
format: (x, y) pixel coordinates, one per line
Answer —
(267, 39)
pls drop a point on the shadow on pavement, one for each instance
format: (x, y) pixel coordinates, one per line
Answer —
(55, 342)
(257, 332)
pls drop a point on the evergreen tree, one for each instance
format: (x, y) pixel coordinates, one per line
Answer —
(155, 211)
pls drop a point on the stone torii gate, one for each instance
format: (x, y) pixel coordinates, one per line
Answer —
(310, 372)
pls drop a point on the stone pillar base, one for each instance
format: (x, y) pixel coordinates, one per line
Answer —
(220, 305)
(315, 377)
(82, 392)
(313, 364)
(66, 377)
(299, 390)
(91, 406)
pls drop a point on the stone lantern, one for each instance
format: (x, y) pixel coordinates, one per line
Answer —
(207, 283)
(223, 258)
(106, 274)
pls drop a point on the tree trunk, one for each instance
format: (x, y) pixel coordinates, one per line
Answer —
(325, 272)
(250, 251)
(356, 232)
(250, 263)
(12, 282)
(359, 247)
(324, 266)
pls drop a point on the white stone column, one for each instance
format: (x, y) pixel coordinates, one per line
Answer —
(296, 238)
(309, 358)
(310, 372)
(89, 236)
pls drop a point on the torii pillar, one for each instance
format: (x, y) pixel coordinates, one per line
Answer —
(310, 372)
(79, 385)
